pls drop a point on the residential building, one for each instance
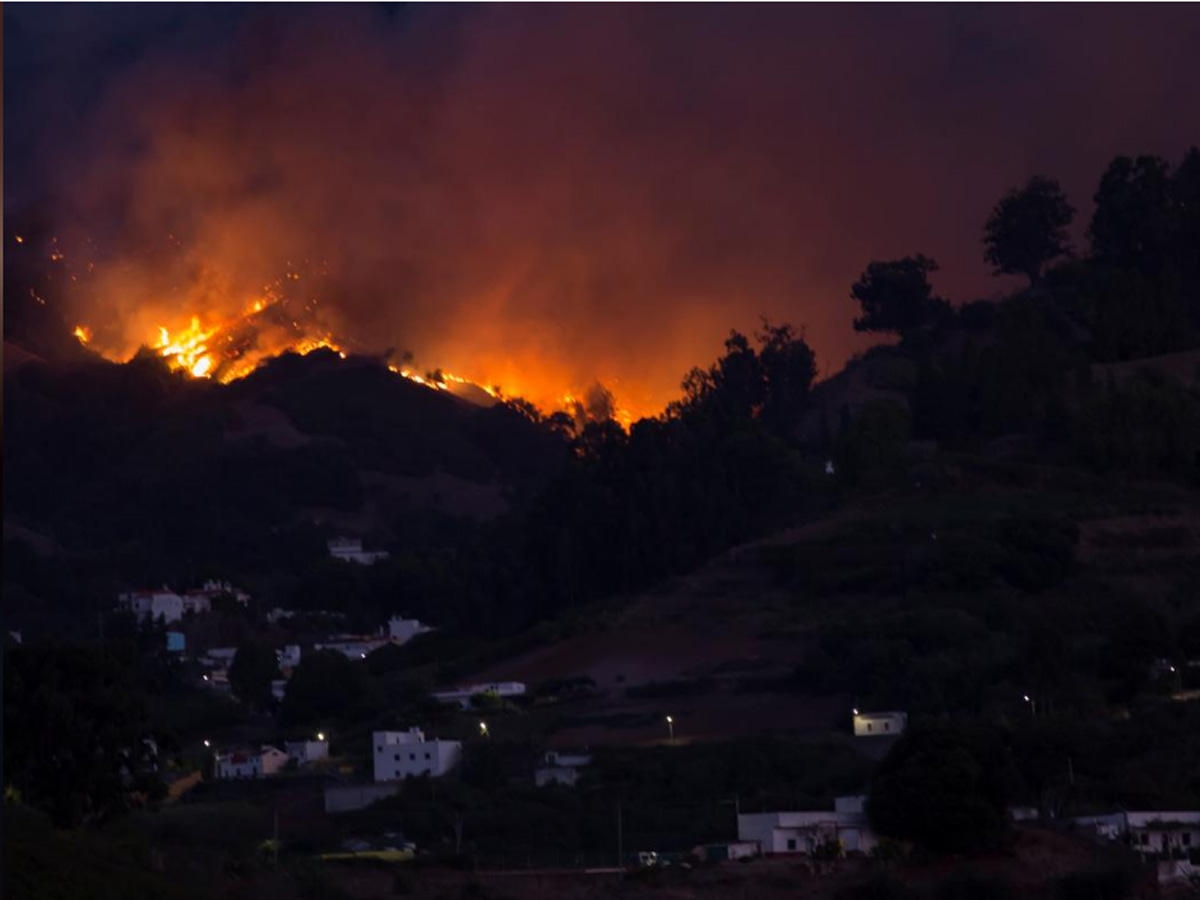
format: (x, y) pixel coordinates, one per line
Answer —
(399, 754)
(462, 695)
(879, 724)
(560, 768)
(351, 550)
(151, 605)
(401, 631)
(288, 656)
(308, 751)
(352, 646)
(241, 764)
(1154, 834)
(219, 656)
(803, 832)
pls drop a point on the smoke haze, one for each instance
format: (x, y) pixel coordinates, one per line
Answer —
(543, 197)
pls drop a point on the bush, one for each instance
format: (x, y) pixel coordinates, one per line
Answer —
(880, 887)
(1097, 884)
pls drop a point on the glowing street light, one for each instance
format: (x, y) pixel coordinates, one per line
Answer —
(1032, 703)
(483, 729)
(854, 711)
(671, 728)
(320, 735)
(207, 742)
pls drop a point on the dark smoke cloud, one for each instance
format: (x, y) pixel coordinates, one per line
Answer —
(545, 196)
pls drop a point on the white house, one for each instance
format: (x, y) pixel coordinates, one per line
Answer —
(352, 647)
(1158, 834)
(219, 656)
(803, 832)
(149, 606)
(307, 752)
(351, 550)
(399, 754)
(560, 768)
(196, 602)
(248, 764)
(401, 631)
(879, 724)
(462, 695)
(288, 656)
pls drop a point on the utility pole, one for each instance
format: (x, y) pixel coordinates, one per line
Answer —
(620, 838)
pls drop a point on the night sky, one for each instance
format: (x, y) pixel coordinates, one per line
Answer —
(545, 195)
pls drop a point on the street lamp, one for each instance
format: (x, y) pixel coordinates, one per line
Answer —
(207, 742)
(320, 735)
(483, 729)
(1032, 703)
(671, 728)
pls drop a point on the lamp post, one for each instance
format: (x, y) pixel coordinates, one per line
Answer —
(483, 730)
(671, 729)
(1032, 704)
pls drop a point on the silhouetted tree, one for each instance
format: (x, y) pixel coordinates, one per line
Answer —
(944, 788)
(896, 296)
(1131, 227)
(325, 683)
(1028, 228)
(253, 669)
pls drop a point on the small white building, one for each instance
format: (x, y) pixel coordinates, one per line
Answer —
(279, 688)
(879, 724)
(288, 656)
(242, 764)
(401, 630)
(150, 606)
(351, 646)
(803, 832)
(196, 602)
(399, 754)
(462, 695)
(560, 768)
(307, 752)
(351, 550)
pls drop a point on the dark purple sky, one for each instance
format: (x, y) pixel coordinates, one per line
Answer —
(544, 195)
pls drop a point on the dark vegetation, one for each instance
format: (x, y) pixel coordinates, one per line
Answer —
(963, 571)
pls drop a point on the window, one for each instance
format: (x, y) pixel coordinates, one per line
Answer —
(397, 757)
(870, 727)
(887, 726)
(427, 756)
(412, 756)
(791, 843)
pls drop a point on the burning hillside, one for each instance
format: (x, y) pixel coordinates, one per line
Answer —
(180, 310)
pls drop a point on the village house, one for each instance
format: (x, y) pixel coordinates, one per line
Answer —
(307, 752)
(399, 754)
(351, 550)
(401, 631)
(151, 606)
(352, 646)
(879, 724)
(248, 764)
(463, 695)
(560, 768)
(845, 825)
(1155, 834)
(288, 656)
